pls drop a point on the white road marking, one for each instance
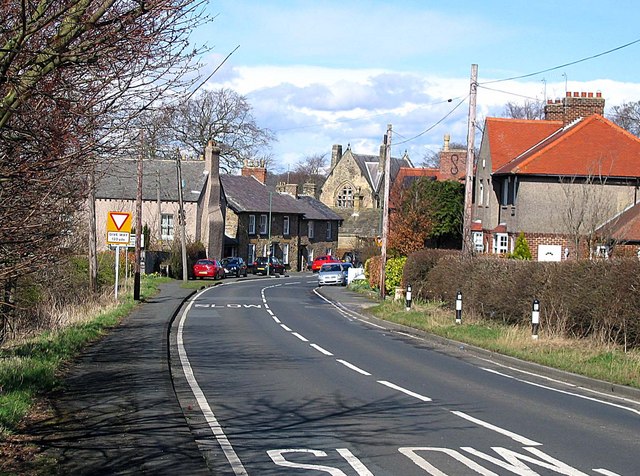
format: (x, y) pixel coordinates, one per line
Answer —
(276, 319)
(208, 414)
(320, 349)
(606, 472)
(301, 337)
(404, 390)
(353, 367)
(573, 394)
(514, 436)
(354, 462)
(270, 311)
(284, 326)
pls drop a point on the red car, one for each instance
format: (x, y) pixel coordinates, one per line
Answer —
(208, 268)
(320, 260)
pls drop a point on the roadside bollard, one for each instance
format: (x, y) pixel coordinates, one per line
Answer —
(535, 318)
(459, 308)
(408, 298)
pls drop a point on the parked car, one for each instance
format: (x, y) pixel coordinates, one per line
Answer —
(331, 273)
(352, 257)
(234, 266)
(208, 268)
(262, 263)
(345, 271)
(320, 260)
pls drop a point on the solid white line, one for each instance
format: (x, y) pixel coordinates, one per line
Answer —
(606, 472)
(320, 349)
(301, 337)
(208, 414)
(285, 327)
(514, 436)
(410, 335)
(404, 390)
(584, 397)
(353, 367)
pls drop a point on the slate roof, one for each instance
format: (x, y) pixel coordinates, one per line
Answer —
(366, 223)
(369, 165)
(587, 147)
(248, 195)
(118, 179)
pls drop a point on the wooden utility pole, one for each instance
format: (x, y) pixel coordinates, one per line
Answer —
(93, 251)
(467, 243)
(138, 253)
(182, 221)
(385, 209)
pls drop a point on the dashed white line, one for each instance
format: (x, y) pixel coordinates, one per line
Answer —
(606, 472)
(514, 436)
(353, 367)
(284, 326)
(301, 337)
(320, 349)
(276, 319)
(404, 390)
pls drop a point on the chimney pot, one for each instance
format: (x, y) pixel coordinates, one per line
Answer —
(590, 95)
(598, 94)
(576, 94)
(568, 93)
(583, 94)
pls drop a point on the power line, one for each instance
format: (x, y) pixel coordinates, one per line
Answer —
(564, 65)
(507, 92)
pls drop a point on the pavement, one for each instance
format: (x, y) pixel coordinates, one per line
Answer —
(118, 412)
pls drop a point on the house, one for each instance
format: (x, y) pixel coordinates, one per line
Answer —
(229, 214)
(354, 189)
(290, 226)
(558, 180)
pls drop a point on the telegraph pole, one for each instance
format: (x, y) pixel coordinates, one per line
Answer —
(467, 244)
(138, 251)
(385, 208)
(182, 221)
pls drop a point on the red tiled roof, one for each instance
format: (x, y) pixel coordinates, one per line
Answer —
(625, 227)
(590, 146)
(508, 138)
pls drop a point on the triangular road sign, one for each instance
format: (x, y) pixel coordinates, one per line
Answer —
(119, 221)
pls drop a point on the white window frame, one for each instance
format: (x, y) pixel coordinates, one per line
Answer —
(328, 231)
(252, 224)
(167, 227)
(263, 224)
(478, 243)
(501, 243)
(251, 252)
(285, 253)
(286, 226)
(311, 230)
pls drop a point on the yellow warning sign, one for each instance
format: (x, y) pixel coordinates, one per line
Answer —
(118, 228)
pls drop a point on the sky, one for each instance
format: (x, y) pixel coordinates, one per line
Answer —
(324, 72)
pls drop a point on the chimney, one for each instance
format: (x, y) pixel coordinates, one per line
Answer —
(288, 189)
(573, 106)
(447, 139)
(213, 230)
(381, 157)
(336, 153)
(309, 188)
(255, 168)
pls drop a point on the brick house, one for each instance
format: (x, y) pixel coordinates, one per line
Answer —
(558, 180)
(301, 226)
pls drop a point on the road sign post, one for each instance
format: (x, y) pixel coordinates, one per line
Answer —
(118, 233)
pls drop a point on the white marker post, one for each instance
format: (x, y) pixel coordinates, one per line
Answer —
(408, 298)
(535, 318)
(459, 308)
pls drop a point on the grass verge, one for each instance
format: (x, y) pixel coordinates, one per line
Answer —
(31, 368)
(580, 356)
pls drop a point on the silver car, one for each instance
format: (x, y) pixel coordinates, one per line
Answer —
(331, 273)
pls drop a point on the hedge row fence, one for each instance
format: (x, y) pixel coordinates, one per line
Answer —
(578, 299)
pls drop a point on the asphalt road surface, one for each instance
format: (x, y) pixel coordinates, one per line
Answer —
(276, 380)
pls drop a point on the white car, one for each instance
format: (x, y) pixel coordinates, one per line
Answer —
(331, 273)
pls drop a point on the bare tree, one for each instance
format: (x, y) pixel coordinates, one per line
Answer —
(72, 77)
(223, 116)
(527, 110)
(627, 116)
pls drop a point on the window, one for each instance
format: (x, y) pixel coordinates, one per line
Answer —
(252, 224)
(166, 226)
(263, 224)
(602, 251)
(478, 244)
(481, 193)
(345, 197)
(310, 229)
(509, 191)
(285, 225)
(500, 243)
(251, 252)
(285, 253)
(328, 235)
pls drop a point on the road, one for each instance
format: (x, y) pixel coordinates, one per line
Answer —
(276, 380)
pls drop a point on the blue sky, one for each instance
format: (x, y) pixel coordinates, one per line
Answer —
(324, 72)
